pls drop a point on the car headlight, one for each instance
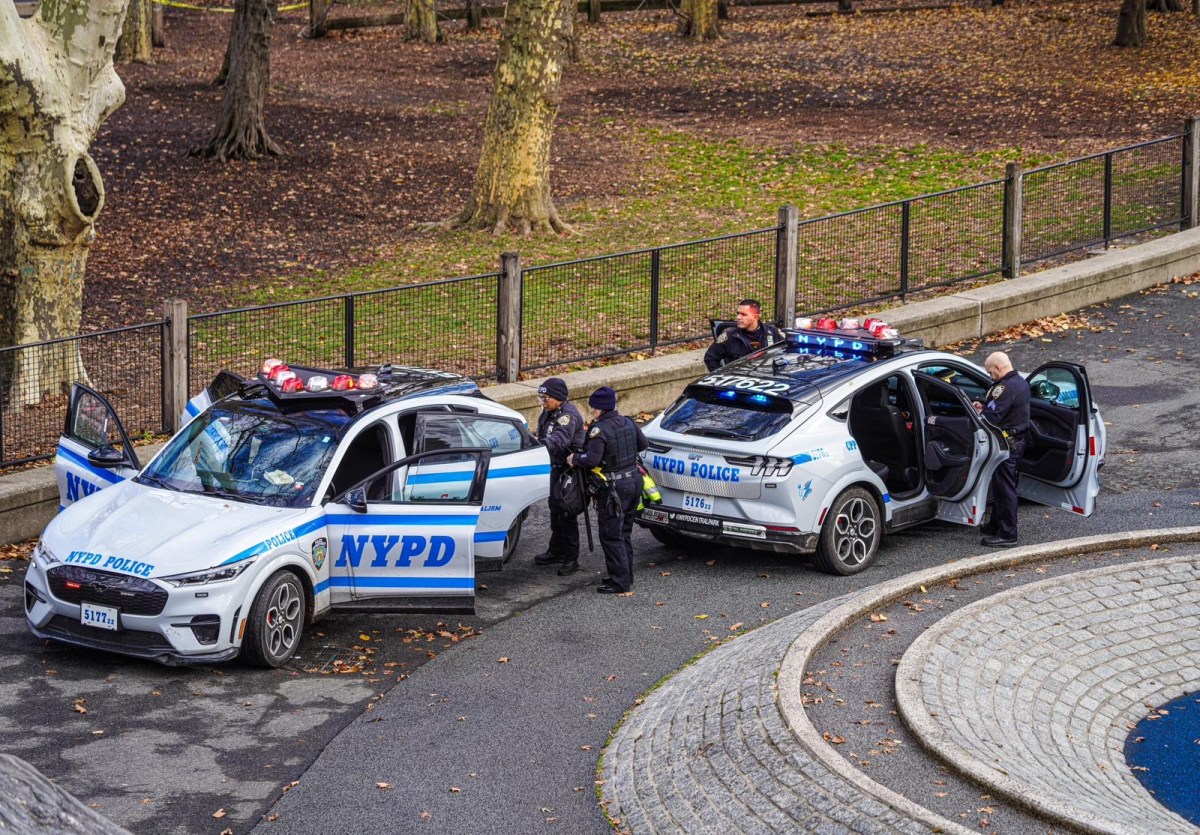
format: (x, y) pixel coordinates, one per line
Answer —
(209, 575)
(43, 555)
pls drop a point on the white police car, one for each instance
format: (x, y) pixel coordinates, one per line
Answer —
(827, 441)
(291, 495)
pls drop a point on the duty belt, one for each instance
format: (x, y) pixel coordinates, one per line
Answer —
(630, 473)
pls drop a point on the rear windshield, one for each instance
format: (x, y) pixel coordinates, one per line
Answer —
(721, 413)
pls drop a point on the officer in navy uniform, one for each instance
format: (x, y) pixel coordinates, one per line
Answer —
(560, 430)
(613, 442)
(750, 334)
(1007, 408)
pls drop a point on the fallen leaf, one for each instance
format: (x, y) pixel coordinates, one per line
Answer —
(736, 627)
(383, 785)
(503, 660)
(220, 813)
(711, 563)
(701, 617)
(878, 618)
(455, 790)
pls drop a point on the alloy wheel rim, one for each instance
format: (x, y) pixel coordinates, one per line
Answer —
(854, 532)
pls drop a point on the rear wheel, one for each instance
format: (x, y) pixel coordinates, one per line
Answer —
(275, 623)
(851, 533)
(670, 538)
(513, 538)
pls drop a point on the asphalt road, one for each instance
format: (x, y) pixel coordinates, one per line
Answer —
(502, 729)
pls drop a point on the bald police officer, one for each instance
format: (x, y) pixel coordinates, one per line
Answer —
(560, 430)
(613, 442)
(1007, 408)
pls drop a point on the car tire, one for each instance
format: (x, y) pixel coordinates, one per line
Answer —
(668, 537)
(513, 538)
(851, 534)
(275, 623)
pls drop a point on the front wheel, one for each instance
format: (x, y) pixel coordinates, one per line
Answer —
(851, 533)
(512, 538)
(275, 623)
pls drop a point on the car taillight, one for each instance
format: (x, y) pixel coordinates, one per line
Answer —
(291, 384)
(342, 382)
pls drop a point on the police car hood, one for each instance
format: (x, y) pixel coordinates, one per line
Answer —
(138, 529)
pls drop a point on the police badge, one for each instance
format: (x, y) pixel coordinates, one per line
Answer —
(997, 391)
(320, 548)
(595, 431)
(723, 337)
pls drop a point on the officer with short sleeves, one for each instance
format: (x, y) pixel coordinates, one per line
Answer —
(1006, 408)
(613, 443)
(750, 334)
(560, 430)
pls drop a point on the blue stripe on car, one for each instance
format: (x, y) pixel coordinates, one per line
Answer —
(267, 544)
(397, 583)
(76, 458)
(491, 536)
(407, 521)
(513, 472)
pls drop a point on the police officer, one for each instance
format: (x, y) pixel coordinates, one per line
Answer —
(750, 334)
(613, 442)
(560, 430)
(1007, 408)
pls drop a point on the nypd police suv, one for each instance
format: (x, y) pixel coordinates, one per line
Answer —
(282, 498)
(845, 432)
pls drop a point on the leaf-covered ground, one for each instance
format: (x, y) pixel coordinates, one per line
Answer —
(658, 140)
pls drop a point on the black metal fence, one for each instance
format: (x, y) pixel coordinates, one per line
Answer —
(496, 325)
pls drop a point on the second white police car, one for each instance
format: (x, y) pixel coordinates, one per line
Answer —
(835, 437)
(284, 497)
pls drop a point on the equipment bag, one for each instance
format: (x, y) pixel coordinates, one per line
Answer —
(572, 499)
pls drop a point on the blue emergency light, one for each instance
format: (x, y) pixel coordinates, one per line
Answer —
(849, 344)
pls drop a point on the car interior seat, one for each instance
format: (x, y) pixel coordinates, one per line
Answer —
(884, 438)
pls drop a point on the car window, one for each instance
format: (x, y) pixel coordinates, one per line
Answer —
(971, 384)
(706, 412)
(445, 430)
(93, 422)
(1055, 385)
(249, 452)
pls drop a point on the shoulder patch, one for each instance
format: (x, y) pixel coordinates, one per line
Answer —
(997, 391)
(564, 420)
(595, 431)
(723, 337)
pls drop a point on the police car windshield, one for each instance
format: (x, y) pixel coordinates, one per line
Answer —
(717, 413)
(249, 452)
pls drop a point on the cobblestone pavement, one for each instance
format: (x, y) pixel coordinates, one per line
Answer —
(727, 745)
(1033, 691)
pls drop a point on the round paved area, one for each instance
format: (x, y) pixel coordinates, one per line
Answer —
(725, 745)
(1033, 692)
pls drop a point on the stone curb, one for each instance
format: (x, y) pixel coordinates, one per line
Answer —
(791, 672)
(934, 738)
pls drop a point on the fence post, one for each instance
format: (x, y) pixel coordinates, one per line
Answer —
(348, 339)
(1191, 169)
(1108, 188)
(317, 12)
(787, 238)
(905, 235)
(158, 30)
(508, 319)
(655, 289)
(174, 363)
(593, 11)
(1011, 250)
(474, 14)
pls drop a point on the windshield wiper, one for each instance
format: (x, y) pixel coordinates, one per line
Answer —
(155, 481)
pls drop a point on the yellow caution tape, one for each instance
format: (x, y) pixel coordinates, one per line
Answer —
(221, 9)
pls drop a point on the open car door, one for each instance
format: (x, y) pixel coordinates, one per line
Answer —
(1064, 447)
(223, 385)
(93, 452)
(409, 551)
(960, 451)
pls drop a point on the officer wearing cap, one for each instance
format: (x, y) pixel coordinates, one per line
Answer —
(1007, 408)
(750, 334)
(560, 430)
(613, 442)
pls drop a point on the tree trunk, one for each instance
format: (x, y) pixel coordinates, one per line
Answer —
(136, 43)
(420, 22)
(318, 14)
(1131, 24)
(698, 20)
(572, 51)
(1164, 6)
(57, 86)
(158, 27)
(241, 130)
(512, 183)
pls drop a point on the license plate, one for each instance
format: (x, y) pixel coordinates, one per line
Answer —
(697, 504)
(101, 617)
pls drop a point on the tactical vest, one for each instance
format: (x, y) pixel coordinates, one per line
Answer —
(620, 444)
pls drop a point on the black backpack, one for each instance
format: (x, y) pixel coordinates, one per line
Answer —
(572, 498)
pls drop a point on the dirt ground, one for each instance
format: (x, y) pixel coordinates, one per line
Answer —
(381, 134)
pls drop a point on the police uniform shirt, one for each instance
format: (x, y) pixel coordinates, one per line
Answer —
(561, 431)
(1007, 403)
(734, 343)
(600, 449)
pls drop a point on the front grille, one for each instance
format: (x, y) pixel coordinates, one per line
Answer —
(127, 640)
(132, 595)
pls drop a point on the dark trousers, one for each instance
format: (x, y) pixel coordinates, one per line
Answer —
(614, 517)
(564, 527)
(1003, 522)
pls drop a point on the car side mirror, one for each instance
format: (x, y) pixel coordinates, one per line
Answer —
(107, 457)
(357, 500)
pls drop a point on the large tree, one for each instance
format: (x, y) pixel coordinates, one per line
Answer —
(420, 22)
(241, 131)
(136, 43)
(698, 20)
(512, 182)
(1131, 23)
(57, 86)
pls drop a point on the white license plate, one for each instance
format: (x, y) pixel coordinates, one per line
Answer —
(697, 504)
(101, 617)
